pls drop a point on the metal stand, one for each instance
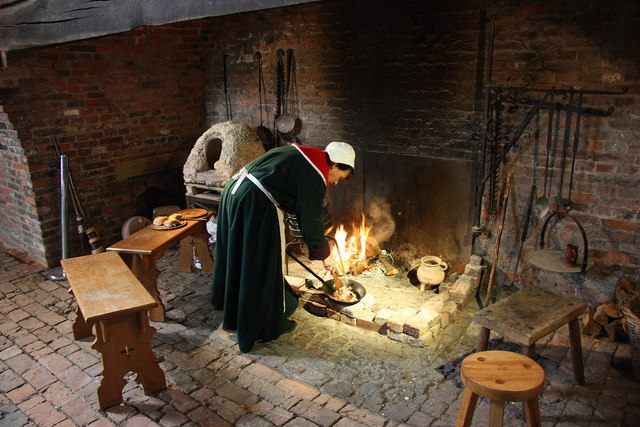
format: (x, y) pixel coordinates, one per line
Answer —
(64, 225)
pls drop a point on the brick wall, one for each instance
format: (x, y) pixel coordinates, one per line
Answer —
(108, 100)
(576, 44)
(378, 75)
(385, 77)
(19, 226)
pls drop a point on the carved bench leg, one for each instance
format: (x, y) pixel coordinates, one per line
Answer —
(81, 329)
(204, 253)
(576, 351)
(185, 256)
(125, 345)
(144, 267)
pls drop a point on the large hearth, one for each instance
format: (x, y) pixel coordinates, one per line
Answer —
(393, 305)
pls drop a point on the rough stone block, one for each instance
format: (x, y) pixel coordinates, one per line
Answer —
(475, 260)
(473, 270)
(314, 308)
(421, 322)
(295, 282)
(371, 326)
(437, 302)
(461, 289)
(404, 338)
(399, 318)
(383, 316)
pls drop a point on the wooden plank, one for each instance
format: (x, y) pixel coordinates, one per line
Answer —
(28, 23)
(149, 165)
(104, 287)
(149, 241)
(529, 314)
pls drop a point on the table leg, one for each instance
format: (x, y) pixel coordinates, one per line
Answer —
(483, 339)
(576, 351)
(125, 345)
(144, 267)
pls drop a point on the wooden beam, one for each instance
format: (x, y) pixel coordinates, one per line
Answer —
(29, 23)
(149, 165)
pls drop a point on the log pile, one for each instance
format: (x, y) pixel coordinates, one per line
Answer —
(608, 317)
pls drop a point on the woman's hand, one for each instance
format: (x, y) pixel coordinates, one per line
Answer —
(329, 264)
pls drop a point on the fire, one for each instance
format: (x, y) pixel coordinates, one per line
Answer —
(350, 249)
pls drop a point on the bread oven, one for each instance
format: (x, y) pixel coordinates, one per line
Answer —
(216, 156)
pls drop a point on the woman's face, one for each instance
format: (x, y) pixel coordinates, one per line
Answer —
(336, 175)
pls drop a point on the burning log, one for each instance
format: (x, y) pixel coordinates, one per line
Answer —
(360, 267)
(389, 269)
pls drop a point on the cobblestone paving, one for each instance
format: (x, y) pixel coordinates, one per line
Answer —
(323, 373)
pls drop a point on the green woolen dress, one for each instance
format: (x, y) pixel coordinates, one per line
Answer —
(248, 282)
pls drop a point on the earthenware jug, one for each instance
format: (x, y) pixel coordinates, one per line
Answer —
(431, 271)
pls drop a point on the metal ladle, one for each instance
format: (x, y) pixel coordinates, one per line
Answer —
(542, 204)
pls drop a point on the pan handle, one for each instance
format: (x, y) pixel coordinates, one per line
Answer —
(308, 269)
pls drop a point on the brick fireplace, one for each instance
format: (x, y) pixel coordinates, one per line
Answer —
(402, 84)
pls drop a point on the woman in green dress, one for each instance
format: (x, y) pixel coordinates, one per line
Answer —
(248, 281)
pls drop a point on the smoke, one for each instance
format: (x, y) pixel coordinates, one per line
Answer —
(383, 225)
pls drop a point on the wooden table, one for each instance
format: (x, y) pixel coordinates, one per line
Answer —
(112, 299)
(144, 248)
(530, 314)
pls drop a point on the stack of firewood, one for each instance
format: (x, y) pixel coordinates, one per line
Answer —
(608, 317)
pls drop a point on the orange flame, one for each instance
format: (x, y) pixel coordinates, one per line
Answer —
(350, 248)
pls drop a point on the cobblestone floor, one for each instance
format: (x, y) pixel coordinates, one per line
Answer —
(323, 373)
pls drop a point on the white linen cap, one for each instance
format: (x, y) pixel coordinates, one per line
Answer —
(341, 152)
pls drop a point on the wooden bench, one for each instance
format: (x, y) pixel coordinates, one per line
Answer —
(530, 314)
(111, 299)
(142, 250)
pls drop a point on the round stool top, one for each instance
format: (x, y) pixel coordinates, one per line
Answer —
(502, 375)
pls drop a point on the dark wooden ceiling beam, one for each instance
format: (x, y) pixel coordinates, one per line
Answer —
(30, 23)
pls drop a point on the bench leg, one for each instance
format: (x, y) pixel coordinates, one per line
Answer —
(204, 253)
(125, 345)
(576, 351)
(81, 329)
(185, 256)
(465, 413)
(483, 339)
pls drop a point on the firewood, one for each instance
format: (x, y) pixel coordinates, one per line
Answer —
(625, 288)
(611, 310)
(600, 316)
(611, 329)
(360, 267)
(589, 325)
(372, 249)
(389, 269)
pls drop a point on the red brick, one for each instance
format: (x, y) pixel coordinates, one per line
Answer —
(55, 362)
(181, 401)
(625, 225)
(80, 412)
(39, 377)
(205, 417)
(20, 394)
(300, 389)
(74, 378)
(44, 414)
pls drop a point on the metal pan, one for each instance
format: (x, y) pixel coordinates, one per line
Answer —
(357, 288)
(327, 285)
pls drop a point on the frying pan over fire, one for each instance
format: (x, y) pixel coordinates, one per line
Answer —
(328, 287)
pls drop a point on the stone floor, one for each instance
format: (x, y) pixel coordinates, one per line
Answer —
(323, 373)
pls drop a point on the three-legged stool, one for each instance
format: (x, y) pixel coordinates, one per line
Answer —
(501, 376)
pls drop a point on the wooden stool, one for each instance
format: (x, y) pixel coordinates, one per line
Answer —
(110, 297)
(501, 376)
(530, 314)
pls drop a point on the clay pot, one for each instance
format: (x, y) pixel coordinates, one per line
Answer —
(431, 271)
